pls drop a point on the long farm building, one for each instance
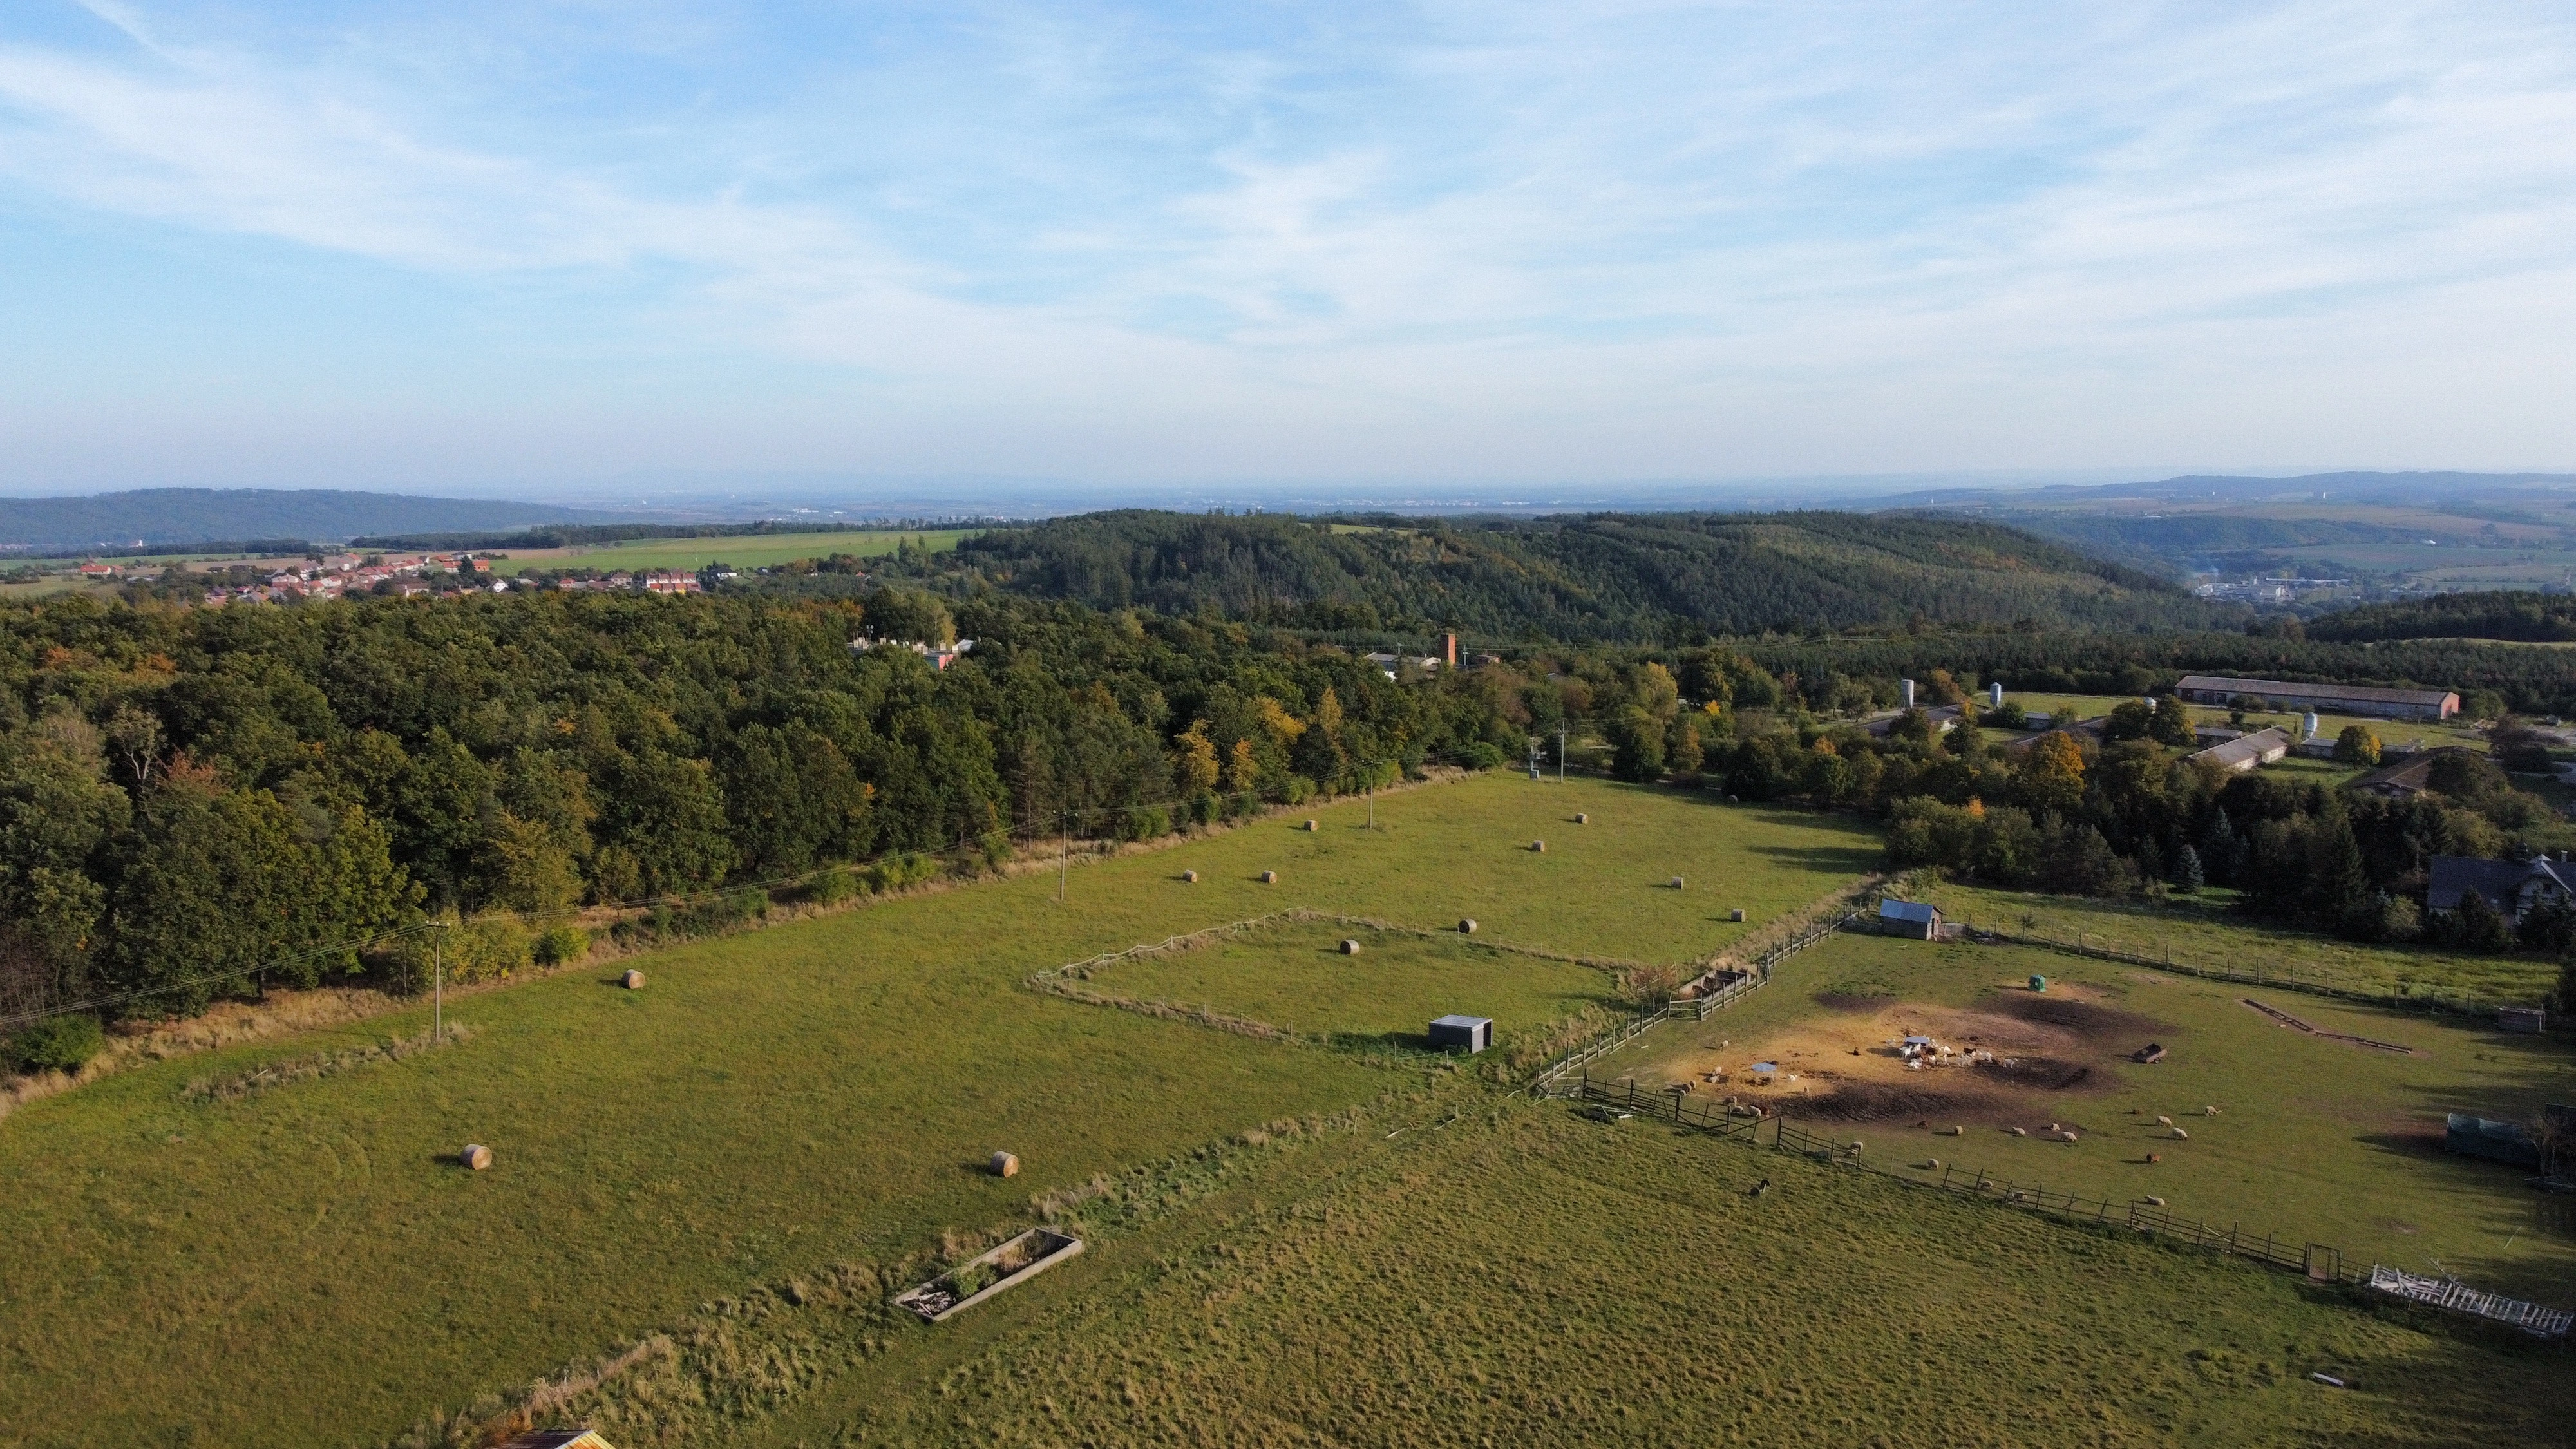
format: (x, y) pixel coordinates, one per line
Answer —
(2419, 704)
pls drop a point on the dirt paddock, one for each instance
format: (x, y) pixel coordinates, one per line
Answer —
(2048, 1052)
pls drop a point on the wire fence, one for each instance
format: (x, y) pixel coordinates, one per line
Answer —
(2317, 1262)
(2244, 976)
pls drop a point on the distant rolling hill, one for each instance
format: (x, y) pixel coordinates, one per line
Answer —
(1635, 578)
(182, 517)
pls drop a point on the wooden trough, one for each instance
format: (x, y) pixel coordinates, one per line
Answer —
(1011, 1264)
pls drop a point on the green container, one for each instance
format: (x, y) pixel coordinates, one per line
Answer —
(2039, 983)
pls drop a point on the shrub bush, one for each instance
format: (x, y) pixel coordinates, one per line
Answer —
(1145, 823)
(1481, 756)
(832, 887)
(487, 949)
(56, 1044)
(897, 872)
(561, 945)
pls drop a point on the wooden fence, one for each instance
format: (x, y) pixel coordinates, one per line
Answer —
(1551, 1082)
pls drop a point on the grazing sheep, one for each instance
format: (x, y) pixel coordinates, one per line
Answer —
(1760, 1188)
(2152, 1200)
(2181, 1136)
(1934, 1165)
(2017, 1132)
(2164, 1121)
(2209, 1111)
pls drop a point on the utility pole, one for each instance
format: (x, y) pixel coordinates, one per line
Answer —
(438, 982)
(1560, 754)
(1063, 852)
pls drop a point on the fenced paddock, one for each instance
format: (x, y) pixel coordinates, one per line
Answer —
(2317, 1262)
(1741, 982)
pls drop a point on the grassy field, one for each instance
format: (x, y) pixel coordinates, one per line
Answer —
(1295, 976)
(303, 1265)
(1498, 1271)
(749, 551)
(2318, 1140)
(2390, 731)
(2204, 932)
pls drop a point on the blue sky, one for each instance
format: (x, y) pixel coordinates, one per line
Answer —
(532, 245)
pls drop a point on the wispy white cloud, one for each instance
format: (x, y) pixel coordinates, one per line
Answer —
(1634, 238)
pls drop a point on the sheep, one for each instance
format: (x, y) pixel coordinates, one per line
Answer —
(2181, 1136)
(1760, 1188)
(2164, 1121)
(2017, 1132)
(2209, 1111)
(2152, 1200)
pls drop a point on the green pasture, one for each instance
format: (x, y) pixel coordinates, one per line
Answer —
(1295, 976)
(1500, 1271)
(748, 551)
(2318, 1140)
(305, 1265)
(2065, 708)
(2204, 931)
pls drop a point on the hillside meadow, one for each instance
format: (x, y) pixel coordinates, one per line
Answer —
(304, 1264)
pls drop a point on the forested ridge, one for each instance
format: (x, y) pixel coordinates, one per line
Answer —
(188, 795)
(1597, 578)
(2501, 614)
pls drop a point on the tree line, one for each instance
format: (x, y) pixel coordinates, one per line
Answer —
(189, 796)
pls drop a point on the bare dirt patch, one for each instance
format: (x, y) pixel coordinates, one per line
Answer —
(1849, 1065)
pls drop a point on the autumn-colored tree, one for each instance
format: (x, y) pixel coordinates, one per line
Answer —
(1194, 759)
(2052, 773)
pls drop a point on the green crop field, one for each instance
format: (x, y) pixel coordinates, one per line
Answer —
(2318, 1140)
(746, 551)
(305, 1266)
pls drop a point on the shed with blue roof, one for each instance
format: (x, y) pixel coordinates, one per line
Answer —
(1918, 919)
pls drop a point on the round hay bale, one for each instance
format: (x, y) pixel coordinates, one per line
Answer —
(1581, 818)
(1270, 877)
(1538, 847)
(1954, 1131)
(1350, 947)
(2155, 1157)
(1677, 882)
(1190, 877)
(476, 1156)
(1005, 1165)
(1735, 915)
(1467, 927)
(633, 980)
(1311, 827)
